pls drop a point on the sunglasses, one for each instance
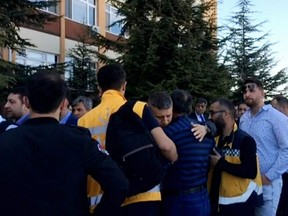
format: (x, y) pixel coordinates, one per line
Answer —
(249, 87)
(212, 112)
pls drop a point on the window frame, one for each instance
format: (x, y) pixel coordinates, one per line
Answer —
(70, 13)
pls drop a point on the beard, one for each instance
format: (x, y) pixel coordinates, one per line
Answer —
(250, 102)
(220, 125)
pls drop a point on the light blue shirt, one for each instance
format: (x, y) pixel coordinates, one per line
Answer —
(65, 118)
(23, 119)
(269, 128)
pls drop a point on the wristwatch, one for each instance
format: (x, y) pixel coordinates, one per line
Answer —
(207, 128)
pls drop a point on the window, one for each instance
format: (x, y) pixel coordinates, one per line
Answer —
(68, 68)
(36, 58)
(112, 17)
(82, 11)
(52, 9)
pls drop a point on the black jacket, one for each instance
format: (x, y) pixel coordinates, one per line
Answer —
(44, 167)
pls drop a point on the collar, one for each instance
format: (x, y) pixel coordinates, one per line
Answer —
(65, 118)
(262, 109)
(41, 120)
(22, 119)
(112, 93)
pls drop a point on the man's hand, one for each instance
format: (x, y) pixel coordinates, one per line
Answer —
(199, 131)
(214, 158)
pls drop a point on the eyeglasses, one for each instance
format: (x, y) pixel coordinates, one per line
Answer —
(212, 112)
(251, 87)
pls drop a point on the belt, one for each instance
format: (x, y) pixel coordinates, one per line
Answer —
(182, 192)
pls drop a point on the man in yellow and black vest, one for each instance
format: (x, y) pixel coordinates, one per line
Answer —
(236, 182)
(112, 81)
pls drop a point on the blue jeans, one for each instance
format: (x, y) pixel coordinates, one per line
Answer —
(196, 203)
(271, 196)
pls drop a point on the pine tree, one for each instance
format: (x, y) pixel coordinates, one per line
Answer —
(13, 15)
(16, 13)
(250, 55)
(82, 76)
(171, 44)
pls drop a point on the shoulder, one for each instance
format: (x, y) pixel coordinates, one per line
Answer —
(72, 120)
(88, 116)
(244, 137)
(275, 117)
(239, 133)
(176, 125)
(76, 129)
(193, 115)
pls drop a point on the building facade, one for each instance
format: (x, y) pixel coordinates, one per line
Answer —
(54, 40)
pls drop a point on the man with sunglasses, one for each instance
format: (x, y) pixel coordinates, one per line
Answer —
(269, 128)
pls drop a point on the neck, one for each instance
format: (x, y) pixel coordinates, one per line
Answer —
(255, 109)
(55, 115)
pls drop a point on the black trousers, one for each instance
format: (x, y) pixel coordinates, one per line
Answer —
(240, 209)
(283, 203)
(150, 208)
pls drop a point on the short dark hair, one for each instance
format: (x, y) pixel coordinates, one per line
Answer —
(111, 76)
(182, 101)
(201, 100)
(21, 91)
(255, 81)
(160, 100)
(281, 100)
(227, 104)
(46, 90)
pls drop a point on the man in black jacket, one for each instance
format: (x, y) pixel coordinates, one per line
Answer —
(44, 165)
(236, 181)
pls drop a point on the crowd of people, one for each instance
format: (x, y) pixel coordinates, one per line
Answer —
(221, 159)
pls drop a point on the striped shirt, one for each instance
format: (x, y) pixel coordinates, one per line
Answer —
(191, 168)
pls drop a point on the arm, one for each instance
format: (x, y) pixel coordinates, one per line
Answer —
(103, 169)
(212, 128)
(164, 143)
(248, 166)
(280, 131)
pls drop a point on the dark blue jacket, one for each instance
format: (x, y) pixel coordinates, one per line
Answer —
(191, 168)
(72, 120)
(44, 167)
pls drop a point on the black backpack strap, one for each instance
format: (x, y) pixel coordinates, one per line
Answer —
(128, 106)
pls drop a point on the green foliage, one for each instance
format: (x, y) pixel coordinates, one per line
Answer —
(171, 44)
(16, 75)
(248, 53)
(13, 15)
(16, 13)
(82, 74)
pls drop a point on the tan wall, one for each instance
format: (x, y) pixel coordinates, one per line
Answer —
(42, 41)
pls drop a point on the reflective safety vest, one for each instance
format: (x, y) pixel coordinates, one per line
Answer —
(235, 189)
(96, 120)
